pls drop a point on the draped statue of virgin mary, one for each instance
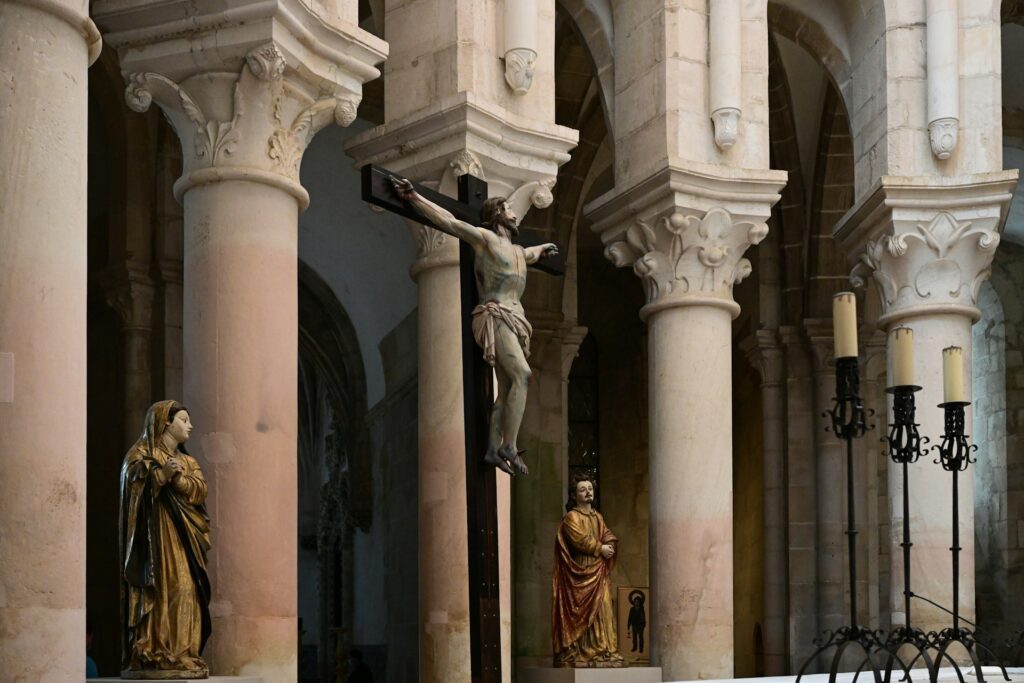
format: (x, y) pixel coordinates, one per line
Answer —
(165, 535)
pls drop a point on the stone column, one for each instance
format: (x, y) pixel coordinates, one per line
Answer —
(450, 112)
(132, 298)
(443, 545)
(801, 423)
(928, 247)
(768, 358)
(245, 111)
(43, 115)
(830, 482)
(686, 244)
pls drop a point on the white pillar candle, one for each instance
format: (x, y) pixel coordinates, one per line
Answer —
(952, 374)
(902, 357)
(844, 324)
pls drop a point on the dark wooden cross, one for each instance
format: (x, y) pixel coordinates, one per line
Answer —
(478, 397)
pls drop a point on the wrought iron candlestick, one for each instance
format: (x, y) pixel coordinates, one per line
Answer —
(905, 443)
(954, 456)
(848, 422)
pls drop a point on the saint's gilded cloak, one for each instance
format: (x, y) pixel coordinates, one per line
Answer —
(582, 618)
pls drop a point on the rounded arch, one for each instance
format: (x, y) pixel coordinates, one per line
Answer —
(329, 347)
(989, 433)
(789, 215)
(832, 197)
(591, 20)
(828, 45)
(129, 138)
(335, 492)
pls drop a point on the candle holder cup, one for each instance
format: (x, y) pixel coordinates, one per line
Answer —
(954, 454)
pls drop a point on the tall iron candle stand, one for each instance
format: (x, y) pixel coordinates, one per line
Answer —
(848, 422)
(955, 456)
(905, 444)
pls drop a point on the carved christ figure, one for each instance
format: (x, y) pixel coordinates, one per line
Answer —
(499, 322)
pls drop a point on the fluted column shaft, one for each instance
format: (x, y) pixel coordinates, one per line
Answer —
(45, 50)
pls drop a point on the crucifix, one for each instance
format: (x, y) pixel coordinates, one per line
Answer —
(500, 328)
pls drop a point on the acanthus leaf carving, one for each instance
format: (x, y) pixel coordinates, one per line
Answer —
(938, 262)
(428, 240)
(286, 145)
(212, 139)
(686, 250)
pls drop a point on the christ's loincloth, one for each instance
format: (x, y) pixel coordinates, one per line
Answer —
(491, 313)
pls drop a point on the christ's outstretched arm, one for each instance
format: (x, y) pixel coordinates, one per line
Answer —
(534, 254)
(439, 216)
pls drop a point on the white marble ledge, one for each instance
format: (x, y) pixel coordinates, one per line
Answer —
(211, 679)
(632, 674)
(653, 675)
(946, 675)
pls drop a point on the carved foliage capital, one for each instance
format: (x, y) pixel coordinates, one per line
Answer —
(683, 255)
(268, 125)
(132, 300)
(766, 356)
(942, 261)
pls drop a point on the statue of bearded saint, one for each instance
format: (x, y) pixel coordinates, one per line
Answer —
(165, 535)
(582, 616)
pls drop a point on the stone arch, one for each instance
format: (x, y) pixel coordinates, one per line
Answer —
(592, 22)
(988, 390)
(130, 140)
(789, 214)
(329, 345)
(334, 472)
(827, 46)
(1012, 11)
(833, 192)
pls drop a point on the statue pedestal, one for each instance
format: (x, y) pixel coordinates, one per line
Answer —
(629, 674)
(211, 679)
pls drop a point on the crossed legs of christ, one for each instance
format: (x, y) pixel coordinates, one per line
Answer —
(504, 335)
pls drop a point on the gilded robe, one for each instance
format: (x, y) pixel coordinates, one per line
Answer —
(582, 617)
(165, 536)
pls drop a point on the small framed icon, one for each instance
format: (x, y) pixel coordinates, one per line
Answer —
(633, 608)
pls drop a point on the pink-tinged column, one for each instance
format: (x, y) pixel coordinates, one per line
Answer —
(245, 111)
(45, 50)
(686, 243)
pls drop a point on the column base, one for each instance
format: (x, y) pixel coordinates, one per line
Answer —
(634, 674)
(211, 679)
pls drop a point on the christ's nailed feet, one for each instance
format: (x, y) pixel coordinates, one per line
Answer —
(492, 458)
(514, 457)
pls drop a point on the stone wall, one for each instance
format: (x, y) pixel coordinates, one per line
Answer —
(386, 557)
(998, 393)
